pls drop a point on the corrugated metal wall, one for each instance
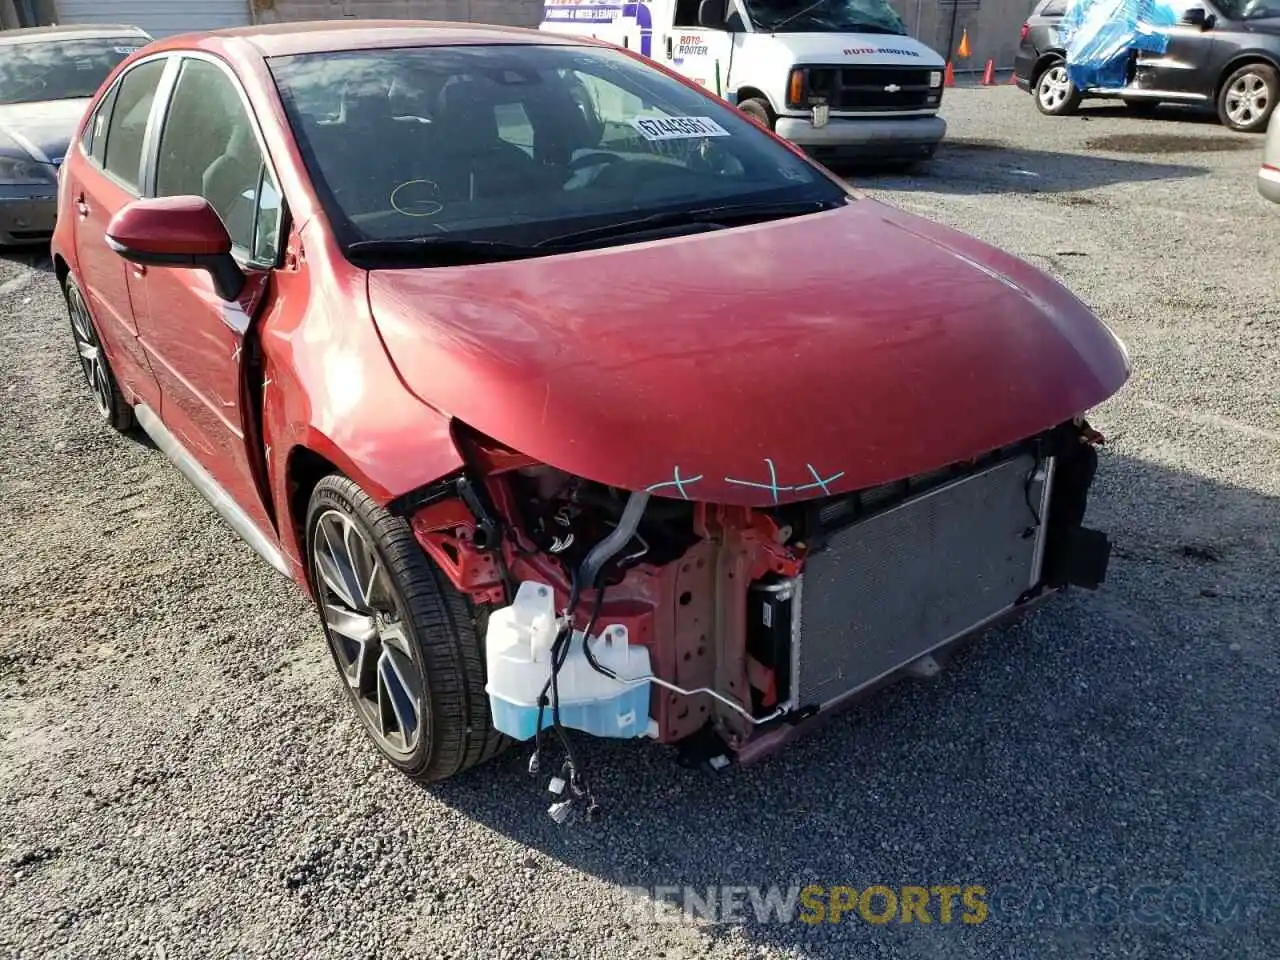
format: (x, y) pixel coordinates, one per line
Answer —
(992, 24)
(160, 18)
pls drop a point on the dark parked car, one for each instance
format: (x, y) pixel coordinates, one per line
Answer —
(1224, 54)
(47, 76)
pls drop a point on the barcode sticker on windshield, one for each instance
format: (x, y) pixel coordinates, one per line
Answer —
(125, 50)
(678, 128)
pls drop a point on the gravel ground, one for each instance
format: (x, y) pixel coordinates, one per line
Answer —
(179, 778)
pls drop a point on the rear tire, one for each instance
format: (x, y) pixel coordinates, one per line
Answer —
(407, 644)
(758, 110)
(1248, 97)
(110, 403)
(1055, 94)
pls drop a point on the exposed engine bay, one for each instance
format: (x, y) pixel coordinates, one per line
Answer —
(745, 621)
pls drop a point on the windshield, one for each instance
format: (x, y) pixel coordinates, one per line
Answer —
(59, 69)
(824, 16)
(517, 144)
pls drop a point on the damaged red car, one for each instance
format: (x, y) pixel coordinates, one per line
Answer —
(576, 400)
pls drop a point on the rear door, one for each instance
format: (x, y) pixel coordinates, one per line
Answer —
(206, 144)
(100, 186)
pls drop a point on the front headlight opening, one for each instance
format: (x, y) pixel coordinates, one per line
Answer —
(20, 171)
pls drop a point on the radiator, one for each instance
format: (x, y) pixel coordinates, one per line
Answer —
(889, 589)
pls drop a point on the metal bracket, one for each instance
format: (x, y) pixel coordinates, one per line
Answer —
(487, 527)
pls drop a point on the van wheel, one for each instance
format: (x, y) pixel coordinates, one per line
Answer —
(1056, 95)
(1247, 98)
(408, 646)
(759, 111)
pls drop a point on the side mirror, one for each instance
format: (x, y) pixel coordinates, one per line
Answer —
(711, 14)
(177, 232)
(1196, 17)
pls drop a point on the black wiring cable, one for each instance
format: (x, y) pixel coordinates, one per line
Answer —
(559, 651)
(596, 665)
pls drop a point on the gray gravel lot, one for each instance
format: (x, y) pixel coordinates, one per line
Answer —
(179, 777)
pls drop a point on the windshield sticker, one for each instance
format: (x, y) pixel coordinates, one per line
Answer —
(678, 128)
(125, 50)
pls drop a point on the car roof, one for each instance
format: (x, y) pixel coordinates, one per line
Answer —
(74, 31)
(325, 36)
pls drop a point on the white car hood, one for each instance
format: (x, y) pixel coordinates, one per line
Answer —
(852, 48)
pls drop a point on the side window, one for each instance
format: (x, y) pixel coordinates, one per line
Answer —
(208, 149)
(122, 153)
(266, 229)
(94, 139)
(687, 13)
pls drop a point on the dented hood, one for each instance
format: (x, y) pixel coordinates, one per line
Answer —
(755, 365)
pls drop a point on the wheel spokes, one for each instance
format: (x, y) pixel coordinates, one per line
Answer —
(398, 703)
(367, 632)
(92, 363)
(334, 561)
(393, 637)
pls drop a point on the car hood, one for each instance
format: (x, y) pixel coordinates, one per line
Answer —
(755, 365)
(42, 131)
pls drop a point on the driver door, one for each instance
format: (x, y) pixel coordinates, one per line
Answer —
(207, 145)
(699, 53)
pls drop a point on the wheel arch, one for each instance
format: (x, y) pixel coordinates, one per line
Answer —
(304, 468)
(1043, 63)
(308, 462)
(755, 93)
(1243, 59)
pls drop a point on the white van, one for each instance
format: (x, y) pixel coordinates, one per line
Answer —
(840, 78)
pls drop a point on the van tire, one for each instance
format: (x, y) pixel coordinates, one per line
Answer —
(759, 111)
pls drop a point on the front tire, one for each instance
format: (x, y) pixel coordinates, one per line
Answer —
(759, 111)
(1248, 97)
(406, 643)
(1055, 94)
(110, 403)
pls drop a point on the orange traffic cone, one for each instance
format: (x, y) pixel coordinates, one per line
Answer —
(964, 43)
(949, 78)
(989, 74)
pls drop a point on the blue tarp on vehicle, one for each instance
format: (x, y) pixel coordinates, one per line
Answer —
(1100, 35)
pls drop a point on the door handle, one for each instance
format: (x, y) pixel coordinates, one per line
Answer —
(139, 270)
(81, 207)
(668, 47)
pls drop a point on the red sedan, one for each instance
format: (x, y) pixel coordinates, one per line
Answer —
(574, 398)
